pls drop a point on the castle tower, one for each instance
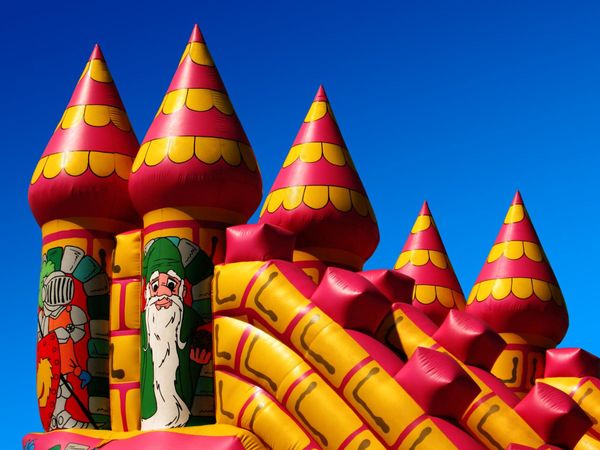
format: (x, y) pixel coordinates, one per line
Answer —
(194, 175)
(319, 196)
(78, 195)
(516, 292)
(424, 259)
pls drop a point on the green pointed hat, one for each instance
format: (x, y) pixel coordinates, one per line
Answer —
(162, 256)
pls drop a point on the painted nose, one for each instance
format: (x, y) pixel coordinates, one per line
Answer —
(163, 290)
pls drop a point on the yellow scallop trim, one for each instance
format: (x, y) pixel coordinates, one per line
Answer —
(317, 111)
(427, 294)
(181, 149)
(515, 213)
(98, 71)
(516, 250)
(317, 197)
(422, 257)
(421, 224)
(522, 288)
(314, 151)
(195, 100)
(198, 53)
(96, 116)
(76, 163)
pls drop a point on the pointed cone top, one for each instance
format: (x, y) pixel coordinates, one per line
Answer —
(425, 209)
(95, 133)
(196, 35)
(516, 290)
(319, 196)
(195, 153)
(424, 258)
(96, 53)
(319, 124)
(321, 96)
(517, 200)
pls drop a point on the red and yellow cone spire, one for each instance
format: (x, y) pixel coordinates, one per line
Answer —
(84, 169)
(196, 153)
(318, 195)
(517, 293)
(194, 175)
(424, 259)
(78, 194)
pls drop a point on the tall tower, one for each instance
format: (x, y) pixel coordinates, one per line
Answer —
(78, 195)
(516, 292)
(424, 259)
(319, 196)
(194, 175)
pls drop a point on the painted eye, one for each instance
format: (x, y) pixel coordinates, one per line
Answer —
(171, 285)
(154, 286)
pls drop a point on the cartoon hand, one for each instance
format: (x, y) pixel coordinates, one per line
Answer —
(200, 356)
(85, 378)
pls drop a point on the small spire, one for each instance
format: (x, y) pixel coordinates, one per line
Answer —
(517, 200)
(96, 53)
(321, 95)
(424, 258)
(196, 35)
(425, 209)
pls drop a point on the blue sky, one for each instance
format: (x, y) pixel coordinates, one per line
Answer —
(459, 103)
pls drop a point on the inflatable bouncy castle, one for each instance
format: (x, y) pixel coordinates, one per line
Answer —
(166, 321)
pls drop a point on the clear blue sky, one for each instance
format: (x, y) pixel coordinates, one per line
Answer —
(459, 103)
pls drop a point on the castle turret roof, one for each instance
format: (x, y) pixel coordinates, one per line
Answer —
(516, 290)
(318, 195)
(195, 153)
(424, 259)
(84, 169)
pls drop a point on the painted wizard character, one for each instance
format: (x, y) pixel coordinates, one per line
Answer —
(171, 357)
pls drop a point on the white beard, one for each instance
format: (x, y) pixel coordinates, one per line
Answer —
(163, 329)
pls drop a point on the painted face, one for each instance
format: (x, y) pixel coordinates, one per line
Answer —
(163, 286)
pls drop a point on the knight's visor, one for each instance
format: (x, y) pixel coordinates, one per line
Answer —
(59, 291)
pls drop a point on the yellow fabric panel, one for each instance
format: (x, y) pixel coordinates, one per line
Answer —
(275, 368)
(509, 367)
(183, 233)
(427, 435)
(276, 299)
(116, 419)
(132, 402)
(370, 390)
(125, 358)
(228, 286)
(132, 304)
(501, 426)
(410, 334)
(319, 339)
(227, 337)
(261, 415)
(322, 412)
(364, 440)
(587, 442)
(128, 255)
(115, 300)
